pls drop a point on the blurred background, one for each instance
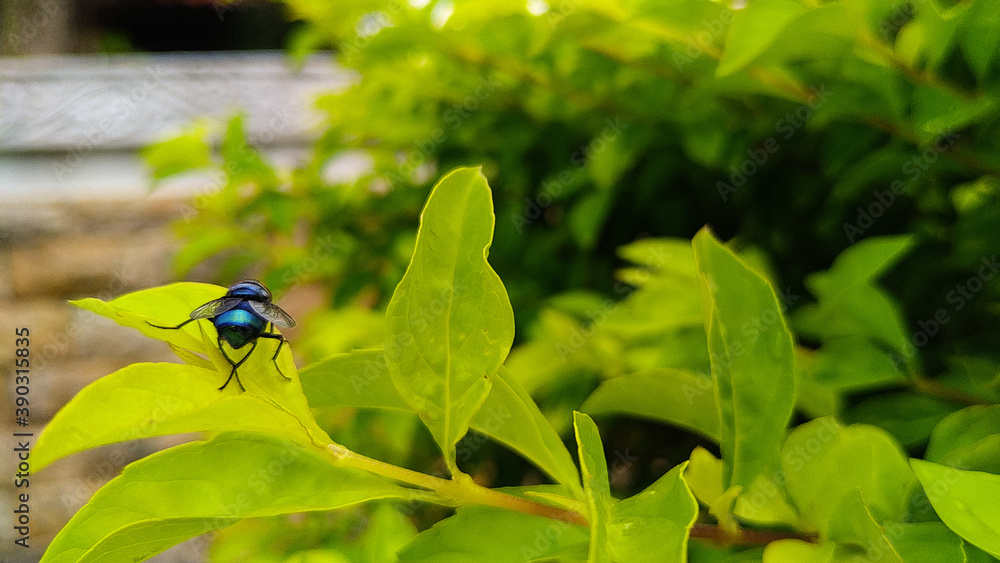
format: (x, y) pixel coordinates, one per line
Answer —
(147, 142)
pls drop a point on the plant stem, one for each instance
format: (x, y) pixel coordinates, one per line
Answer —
(933, 388)
(463, 490)
(746, 537)
(452, 492)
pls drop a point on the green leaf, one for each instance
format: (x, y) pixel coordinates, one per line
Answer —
(850, 305)
(938, 111)
(852, 523)
(823, 36)
(923, 542)
(823, 462)
(765, 503)
(508, 415)
(171, 304)
(243, 163)
(449, 324)
(752, 360)
(909, 416)
(587, 217)
(798, 551)
(967, 439)
(927, 542)
(703, 475)
(388, 531)
(753, 30)
(854, 364)
(654, 525)
(966, 501)
(864, 262)
(167, 305)
(674, 396)
(980, 37)
(187, 152)
(194, 488)
(667, 297)
(667, 256)
(494, 535)
(147, 399)
(359, 378)
(596, 486)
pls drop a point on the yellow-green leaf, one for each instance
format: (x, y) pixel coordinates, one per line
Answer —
(751, 354)
(449, 324)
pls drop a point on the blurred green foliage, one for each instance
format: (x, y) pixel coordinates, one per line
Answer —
(849, 149)
(599, 123)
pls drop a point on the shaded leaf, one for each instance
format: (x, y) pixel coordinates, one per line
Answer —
(967, 439)
(673, 396)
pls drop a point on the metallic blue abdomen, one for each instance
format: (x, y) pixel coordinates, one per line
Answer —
(239, 325)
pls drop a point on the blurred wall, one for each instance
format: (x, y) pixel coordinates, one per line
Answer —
(77, 220)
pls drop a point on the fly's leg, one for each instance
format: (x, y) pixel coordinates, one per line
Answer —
(281, 342)
(235, 365)
(170, 327)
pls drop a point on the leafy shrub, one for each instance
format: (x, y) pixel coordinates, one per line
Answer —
(848, 150)
(821, 492)
(797, 128)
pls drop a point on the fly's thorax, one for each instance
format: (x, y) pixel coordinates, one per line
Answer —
(250, 289)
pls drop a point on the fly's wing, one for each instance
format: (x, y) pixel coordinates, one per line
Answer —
(217, 307)
(273, 313)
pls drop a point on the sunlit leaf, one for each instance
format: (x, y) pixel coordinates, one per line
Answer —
(508, 414)
(822, 462)
(965, 500)
(749, 36)
(479, 533)
(752, 360)
(654, 524)
(195, 488)
(144, 400)
(172, 304)
(597, 488)
(449, 324)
